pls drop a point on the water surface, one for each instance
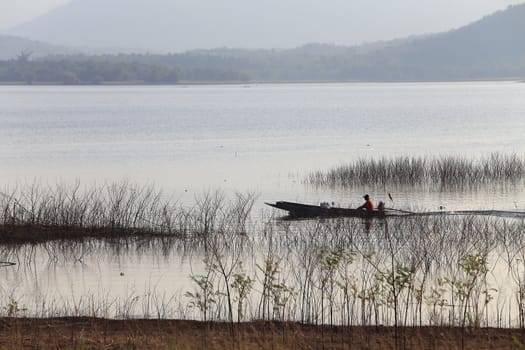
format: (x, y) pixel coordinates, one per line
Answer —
(259, 138)
(262, 138)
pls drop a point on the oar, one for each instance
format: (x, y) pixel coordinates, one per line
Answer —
(401, 211)
(398, 210)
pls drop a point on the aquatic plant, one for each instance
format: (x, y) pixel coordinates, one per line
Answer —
(438, 171)
(113, 209)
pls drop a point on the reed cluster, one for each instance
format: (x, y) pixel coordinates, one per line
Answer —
(435, 171)
(117, 208)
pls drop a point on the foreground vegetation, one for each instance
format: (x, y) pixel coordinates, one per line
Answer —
(92, 333)
(403, 272)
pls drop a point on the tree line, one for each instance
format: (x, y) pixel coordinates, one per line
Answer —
(83, 72)
(308, 63)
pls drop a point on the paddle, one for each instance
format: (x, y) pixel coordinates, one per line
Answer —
(401, 211)
(398, 210)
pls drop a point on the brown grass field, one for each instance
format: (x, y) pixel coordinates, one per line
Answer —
(89, 333)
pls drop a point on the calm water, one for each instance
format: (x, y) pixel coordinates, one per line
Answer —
(259, 138)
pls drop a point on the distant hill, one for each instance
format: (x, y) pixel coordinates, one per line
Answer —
(180, 25)
(491, 48)
(11, 47)
(163, 26)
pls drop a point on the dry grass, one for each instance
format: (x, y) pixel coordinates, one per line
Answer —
(36, 213)
(86, 333)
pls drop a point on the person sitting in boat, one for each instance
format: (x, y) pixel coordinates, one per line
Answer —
(368, 205)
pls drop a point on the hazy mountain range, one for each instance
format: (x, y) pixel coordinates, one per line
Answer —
(182, 25)
(492, 47)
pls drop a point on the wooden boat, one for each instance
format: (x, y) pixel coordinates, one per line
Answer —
(300, 210)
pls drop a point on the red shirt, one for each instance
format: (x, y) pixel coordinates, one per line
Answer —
(369, 205)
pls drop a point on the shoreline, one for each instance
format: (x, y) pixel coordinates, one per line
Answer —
(183, 83)
(96, 333)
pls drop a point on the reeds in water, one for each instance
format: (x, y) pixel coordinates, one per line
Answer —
(444, 171)
(119, 208)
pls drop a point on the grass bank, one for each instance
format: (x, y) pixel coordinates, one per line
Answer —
(92, 333)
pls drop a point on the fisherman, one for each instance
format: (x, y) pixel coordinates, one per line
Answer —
(368, 205)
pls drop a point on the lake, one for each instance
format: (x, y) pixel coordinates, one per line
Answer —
(260, 138)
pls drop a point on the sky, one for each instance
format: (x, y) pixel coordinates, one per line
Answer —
(13, 12)
(372, 19)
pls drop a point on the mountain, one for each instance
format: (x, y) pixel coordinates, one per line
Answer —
(179, 25)
(11, 47)
(490, 48)
(182, 25)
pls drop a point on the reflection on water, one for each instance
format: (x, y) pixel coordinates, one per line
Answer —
(74, 277)
(440, 270)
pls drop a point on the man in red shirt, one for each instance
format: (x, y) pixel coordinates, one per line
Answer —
(368, 205)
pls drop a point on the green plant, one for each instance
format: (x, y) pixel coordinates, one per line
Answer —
(205, 296)
(242, 285)
(12, 308)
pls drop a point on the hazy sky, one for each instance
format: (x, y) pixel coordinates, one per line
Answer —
(372, 19)
(13, 12)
